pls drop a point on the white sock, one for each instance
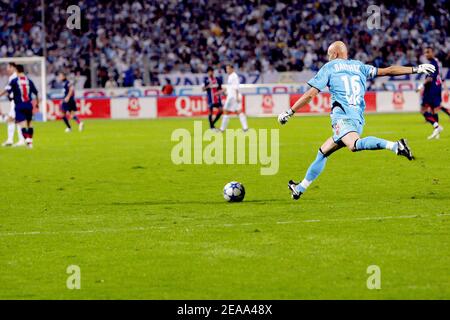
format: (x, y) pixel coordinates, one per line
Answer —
(11, 128)
(392, 146)
(243, 119)
(435, 125)
(19, 133)
(225, 120)
(305, 183)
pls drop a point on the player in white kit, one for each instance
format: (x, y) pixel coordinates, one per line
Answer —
(11, 125)
(232, 103)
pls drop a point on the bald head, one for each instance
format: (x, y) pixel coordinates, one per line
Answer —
(337, 50)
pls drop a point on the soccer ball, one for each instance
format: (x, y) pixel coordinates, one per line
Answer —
(234, 192)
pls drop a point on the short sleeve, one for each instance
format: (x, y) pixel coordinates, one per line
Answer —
(236, 80)
(435, 74)
(320, 80)
(67, 85)
(369, 71)
(33, 88)
(8, 87)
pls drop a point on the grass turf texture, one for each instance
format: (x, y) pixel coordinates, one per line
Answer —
(110, 201)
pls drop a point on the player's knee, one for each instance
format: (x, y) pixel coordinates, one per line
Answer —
(326, 153)
(353, 147)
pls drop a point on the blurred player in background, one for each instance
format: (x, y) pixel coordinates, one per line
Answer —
(69, 106)
(233, 100)
(167, 89)
(346, 80)
(213, 88)
(432, 95)
(24, 93)
(11, 125)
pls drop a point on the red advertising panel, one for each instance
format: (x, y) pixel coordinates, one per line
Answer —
(184, 106)
(319, 104)
(87, 108)
(322, 103)
(371, 101)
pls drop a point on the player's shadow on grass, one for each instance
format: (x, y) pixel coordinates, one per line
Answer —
(184, 202)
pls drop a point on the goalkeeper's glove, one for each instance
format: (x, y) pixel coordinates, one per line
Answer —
(284, 117)
(424, 68)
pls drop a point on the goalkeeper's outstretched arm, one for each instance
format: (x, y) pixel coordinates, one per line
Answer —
(400, 70)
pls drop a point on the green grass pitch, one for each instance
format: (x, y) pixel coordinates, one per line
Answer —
(139, 227)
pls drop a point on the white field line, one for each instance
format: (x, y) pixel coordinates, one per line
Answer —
(228, 225)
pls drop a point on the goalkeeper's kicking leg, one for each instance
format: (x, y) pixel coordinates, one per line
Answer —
(315, 169)
(354, 143)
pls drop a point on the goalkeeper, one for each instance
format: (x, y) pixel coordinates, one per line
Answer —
(346, 80)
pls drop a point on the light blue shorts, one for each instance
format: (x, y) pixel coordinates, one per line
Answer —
(343, 126)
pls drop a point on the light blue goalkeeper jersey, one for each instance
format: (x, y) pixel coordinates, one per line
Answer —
(346, 80)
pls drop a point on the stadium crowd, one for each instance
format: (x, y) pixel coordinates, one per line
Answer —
(129, 42)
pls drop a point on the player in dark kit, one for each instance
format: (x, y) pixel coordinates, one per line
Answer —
(69, 106)
(24, 93)
(432, 96)
(213, 88)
